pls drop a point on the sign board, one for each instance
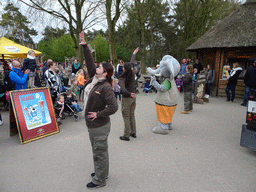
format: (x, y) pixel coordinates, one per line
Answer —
(31, 114)
(200, 89)
(251, 115)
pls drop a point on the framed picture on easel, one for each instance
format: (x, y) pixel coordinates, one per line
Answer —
(31, 114)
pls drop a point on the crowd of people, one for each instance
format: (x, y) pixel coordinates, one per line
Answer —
(187, 78)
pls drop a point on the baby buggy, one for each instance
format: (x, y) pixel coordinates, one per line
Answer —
(68, 109)
(71, 112)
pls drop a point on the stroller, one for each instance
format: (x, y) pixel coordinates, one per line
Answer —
(67, 108)
(71, 112)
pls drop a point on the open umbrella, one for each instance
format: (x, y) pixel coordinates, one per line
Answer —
(6, 56)
(14, 49)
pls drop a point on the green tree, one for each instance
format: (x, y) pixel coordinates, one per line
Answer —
(90, 35)
(62, 47)
(112, 20)
(57, 48)
(195, 17)
(123, 53)
(16, 25)
(101, 46)
(44, 47)
(78, 15)
(50, 32)
(144, 28)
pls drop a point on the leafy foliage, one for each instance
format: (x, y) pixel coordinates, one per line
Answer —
(101, 46)
(62, 47)
(90, 35)
(50, 32)
(17, 25)
(146, 27)
(193, 18)
(57, 47)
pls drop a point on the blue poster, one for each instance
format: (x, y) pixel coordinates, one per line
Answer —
(35, 110)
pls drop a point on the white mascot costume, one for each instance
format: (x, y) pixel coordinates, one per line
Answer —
(167, 92)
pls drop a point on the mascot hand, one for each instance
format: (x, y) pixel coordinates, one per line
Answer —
(157, 86)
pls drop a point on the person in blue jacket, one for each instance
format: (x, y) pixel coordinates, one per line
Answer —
(18, 77)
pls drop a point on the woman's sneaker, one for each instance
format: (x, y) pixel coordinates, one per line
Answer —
(1, 122)
(91, 185)
(124, 138)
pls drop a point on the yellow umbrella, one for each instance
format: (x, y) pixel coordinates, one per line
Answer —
(6, 56)
(14, 49)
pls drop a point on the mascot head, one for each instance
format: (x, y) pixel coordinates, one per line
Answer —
(169, 68)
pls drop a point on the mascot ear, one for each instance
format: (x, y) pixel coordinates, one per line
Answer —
(173, 67)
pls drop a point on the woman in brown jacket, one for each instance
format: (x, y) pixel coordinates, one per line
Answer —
(99, 104)
(126, 82)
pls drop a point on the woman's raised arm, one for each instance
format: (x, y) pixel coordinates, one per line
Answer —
(87, 56)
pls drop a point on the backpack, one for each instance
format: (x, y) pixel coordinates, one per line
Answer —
(9, 85)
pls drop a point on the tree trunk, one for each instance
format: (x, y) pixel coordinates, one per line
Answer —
(111, 28)
(112, 45)
(79, 50)
(143, 49)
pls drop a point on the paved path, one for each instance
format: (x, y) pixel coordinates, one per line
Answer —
(201, 153)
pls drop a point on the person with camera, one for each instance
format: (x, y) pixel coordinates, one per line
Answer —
(18, 78)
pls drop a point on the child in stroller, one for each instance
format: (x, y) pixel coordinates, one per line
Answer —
(70, 100)
(71, 105)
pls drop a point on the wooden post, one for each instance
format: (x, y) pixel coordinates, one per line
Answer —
(218, 68)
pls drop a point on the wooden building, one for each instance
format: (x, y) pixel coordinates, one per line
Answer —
(231, 40)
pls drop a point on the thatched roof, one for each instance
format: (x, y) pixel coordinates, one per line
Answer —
(236, 30)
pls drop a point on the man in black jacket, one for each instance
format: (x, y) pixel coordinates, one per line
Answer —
(232, 81)
(250, 82)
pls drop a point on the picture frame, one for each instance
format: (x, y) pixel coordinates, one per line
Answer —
(32, 115)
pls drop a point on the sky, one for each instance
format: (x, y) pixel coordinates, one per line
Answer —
(42, 19)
